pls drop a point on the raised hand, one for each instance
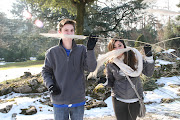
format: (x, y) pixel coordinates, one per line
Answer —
(147, 50)
(91, 42)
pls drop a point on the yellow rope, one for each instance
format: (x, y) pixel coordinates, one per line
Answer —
(145, 42)
(170, 52)
(139, 41)
(167, 40)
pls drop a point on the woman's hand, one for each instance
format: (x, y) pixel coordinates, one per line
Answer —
(147, 50)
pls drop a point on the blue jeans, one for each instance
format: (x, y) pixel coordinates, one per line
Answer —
(63, 113)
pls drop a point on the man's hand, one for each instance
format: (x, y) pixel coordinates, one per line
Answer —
(147, 50)
(54, 90)
(91, 42)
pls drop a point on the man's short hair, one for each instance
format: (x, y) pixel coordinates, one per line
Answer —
(64, 22)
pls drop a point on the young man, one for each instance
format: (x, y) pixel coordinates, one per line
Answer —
(63, 73)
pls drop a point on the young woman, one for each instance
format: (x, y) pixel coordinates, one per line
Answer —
(125, 60)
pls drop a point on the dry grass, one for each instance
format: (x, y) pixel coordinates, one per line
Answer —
(37, 63)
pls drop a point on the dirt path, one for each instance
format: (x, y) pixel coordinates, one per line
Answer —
(149, 116)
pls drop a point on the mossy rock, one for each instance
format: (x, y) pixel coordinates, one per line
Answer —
(161, 85)
(29, 111)
(167, 100)
(174, 85)
(28, 84)
(94, 104)
(6, 90)
(149, 84)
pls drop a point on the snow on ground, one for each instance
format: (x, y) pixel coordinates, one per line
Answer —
(169, 51)
(162, 62)
(22, 103)
(163, 92)
(46, 112)
(172, 109)
(163, 110)
(103, 111)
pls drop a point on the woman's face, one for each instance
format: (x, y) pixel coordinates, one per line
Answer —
(118, 45)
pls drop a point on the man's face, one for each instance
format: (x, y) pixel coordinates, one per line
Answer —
(67, 29)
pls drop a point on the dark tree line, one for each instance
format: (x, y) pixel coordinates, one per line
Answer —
(20, 39)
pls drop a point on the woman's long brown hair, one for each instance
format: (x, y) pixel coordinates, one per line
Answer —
(129, 56)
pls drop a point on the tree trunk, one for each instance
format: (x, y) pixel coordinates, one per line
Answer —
(80, 20)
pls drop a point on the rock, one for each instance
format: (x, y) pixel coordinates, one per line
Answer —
(29, 111)
(161, 85)
(5, 90)
(101, 94)
(169, 70)
(46, 101)
(6, 109)
(32, 110)
(26, 74)
(95, 104)
(23, 89)
(174, 85)
(41, 89)
(13, 117)
(167, 100)
(33, 82)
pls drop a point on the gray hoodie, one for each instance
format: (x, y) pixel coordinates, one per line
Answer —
(121, 87)
(67, 73)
